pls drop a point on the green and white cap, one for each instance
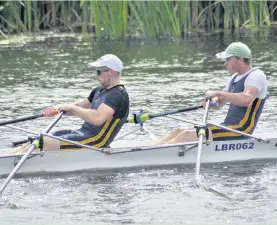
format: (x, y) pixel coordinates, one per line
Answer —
(235, 49)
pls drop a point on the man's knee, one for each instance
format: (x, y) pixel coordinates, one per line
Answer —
(50, 144)
(177, 131)
(186, 133)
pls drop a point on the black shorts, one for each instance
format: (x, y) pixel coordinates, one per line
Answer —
(82, 136)
(220, 134)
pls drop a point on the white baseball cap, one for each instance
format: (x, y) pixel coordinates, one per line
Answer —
(110, 61)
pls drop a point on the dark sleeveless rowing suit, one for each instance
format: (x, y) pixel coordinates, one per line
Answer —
(239, 118)
(100, 136)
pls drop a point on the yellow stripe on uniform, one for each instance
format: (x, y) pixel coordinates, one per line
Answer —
(92, 139)
(241, 123)
(103, 142)
(247, 130)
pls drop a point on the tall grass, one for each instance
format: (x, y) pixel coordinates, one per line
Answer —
(156, 18)
(126, 19)
(109, 18)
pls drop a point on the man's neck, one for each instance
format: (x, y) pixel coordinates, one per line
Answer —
(244, 69)
(113, 84)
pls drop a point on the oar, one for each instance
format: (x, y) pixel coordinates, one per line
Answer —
(30, 150)
(202, 135)
(142, 117)
(139, 118)
(21, 119)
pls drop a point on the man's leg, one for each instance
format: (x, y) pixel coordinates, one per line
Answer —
(17, 150)
(187, 135)
(172, 134)
(49, 144)
(81, 135)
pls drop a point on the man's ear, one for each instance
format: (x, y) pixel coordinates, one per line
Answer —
(112, 73)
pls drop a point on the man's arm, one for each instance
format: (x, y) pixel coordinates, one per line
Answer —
(106, 111)
(244, 98)
(52, 111)
(95, 117)
(84, 104)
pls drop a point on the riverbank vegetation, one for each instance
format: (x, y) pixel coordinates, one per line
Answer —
(131, 19)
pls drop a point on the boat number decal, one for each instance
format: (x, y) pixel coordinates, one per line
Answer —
(238, 146)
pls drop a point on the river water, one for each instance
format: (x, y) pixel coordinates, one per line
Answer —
(160, 75)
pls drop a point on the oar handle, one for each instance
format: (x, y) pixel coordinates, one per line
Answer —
(16, 143)
(21, 119)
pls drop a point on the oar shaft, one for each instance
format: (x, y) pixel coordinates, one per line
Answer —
(30, 150)
(200, 144)
(21, 119)
(22, 129)
(54, 122)
(145, 116)
(171, 112)
(16, 168)
(185, 120)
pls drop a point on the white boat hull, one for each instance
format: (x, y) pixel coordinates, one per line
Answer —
(67, 161)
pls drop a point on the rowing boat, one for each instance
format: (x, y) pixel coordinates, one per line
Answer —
(140, 156)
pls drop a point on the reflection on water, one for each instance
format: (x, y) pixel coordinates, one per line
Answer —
(159, 75)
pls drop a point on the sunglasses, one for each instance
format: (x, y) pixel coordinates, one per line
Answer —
(99, 72)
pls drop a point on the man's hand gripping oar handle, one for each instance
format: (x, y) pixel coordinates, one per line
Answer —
(142, 117)
(53, 113)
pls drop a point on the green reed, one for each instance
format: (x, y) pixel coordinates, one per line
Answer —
(127, 19)
(156, 18)
(15, 10)
(235, 14)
